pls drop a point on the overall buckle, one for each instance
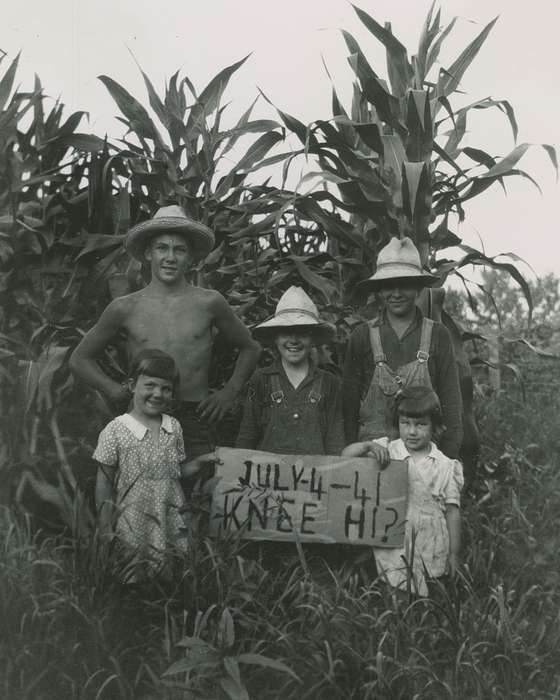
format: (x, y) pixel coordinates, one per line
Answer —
(422, 356)
(314, 397)
(277, 396)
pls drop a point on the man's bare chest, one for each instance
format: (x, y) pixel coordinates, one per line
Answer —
(174, 321)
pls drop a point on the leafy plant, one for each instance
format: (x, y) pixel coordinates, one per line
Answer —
(43, 161)
(208, 666)
(396, 157)
(394, 165)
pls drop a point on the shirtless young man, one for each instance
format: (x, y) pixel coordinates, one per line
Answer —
(176, 317)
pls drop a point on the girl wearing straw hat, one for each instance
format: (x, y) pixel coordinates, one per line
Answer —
(400, 348)
(293, 407)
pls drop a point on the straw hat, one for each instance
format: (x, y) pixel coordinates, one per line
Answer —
(295, 310)
(170, 219)
(399, 259)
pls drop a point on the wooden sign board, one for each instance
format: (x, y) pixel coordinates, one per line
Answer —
(266, 496)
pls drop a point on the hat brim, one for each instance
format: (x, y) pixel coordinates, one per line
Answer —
(323, 332)
(199, 236)
(377, 282)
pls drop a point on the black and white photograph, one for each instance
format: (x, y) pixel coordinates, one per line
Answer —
(279, 350)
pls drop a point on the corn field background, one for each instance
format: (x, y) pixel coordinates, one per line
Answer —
(290, 203)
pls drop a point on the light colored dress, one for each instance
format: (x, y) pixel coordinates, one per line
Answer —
(149, 494)
(433, 482)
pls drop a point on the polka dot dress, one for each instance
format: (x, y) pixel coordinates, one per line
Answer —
(149, 495)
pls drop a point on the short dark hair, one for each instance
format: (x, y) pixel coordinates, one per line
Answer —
(154, 363)
(418, 401)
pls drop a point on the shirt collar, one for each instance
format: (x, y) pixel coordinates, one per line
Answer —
(399, 450)
(139, 430)
(277, 368)
(381, 320)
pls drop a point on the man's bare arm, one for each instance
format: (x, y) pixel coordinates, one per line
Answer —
(215, 406)
(83, 361)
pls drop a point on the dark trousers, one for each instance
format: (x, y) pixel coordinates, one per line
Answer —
(198, 434)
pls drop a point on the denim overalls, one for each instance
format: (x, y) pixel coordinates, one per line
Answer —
(376, 409)
(294, 426)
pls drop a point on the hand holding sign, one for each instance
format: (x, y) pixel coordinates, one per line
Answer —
(323, 498)
(369, 448)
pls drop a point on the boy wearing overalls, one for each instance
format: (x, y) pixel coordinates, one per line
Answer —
(399, 348)
(293, 407)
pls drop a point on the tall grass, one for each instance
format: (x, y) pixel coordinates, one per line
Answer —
(224, 626)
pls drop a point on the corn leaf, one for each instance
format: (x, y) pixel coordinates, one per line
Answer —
(417, 204)
(83, 142)
(442, 237)
(451, 148)
(429, 32)
(71, 124)
(332, 225)
(504, 166)
(415, 189)
(100, 242)
(39, 127)
(251, 127)
(374, 90)
(449, 80)
(433, 52)
(419, 125)
(476, 257)
(226, 632)
(480, 156)
(252, 158)
(193, 661)
(398, 67)
(394, 155)
(444, 102)
(323, 285)
(7, 82)
(256, 229)
(538, 351)
(506, 107)
(138, 119)
(155, 101)
(260, 660)
(175, 99)
(234, 134)
(442, 153)
(551, 151)
(209, 99)
(298, 128)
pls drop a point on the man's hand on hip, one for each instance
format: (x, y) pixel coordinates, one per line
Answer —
(215, 406)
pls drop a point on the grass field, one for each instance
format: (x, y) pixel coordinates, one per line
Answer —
(225, 627)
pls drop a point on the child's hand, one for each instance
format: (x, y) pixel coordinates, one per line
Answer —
(356, 449)
(368, 449)
(193, 466)
(380, 453)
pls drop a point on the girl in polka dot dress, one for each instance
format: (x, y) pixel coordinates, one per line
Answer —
(141, 457)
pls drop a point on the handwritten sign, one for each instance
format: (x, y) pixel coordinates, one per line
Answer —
(266, 496)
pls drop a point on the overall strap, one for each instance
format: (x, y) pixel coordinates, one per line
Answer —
(425, 340)
(315, 391)
(376, 347)
(276, 394)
